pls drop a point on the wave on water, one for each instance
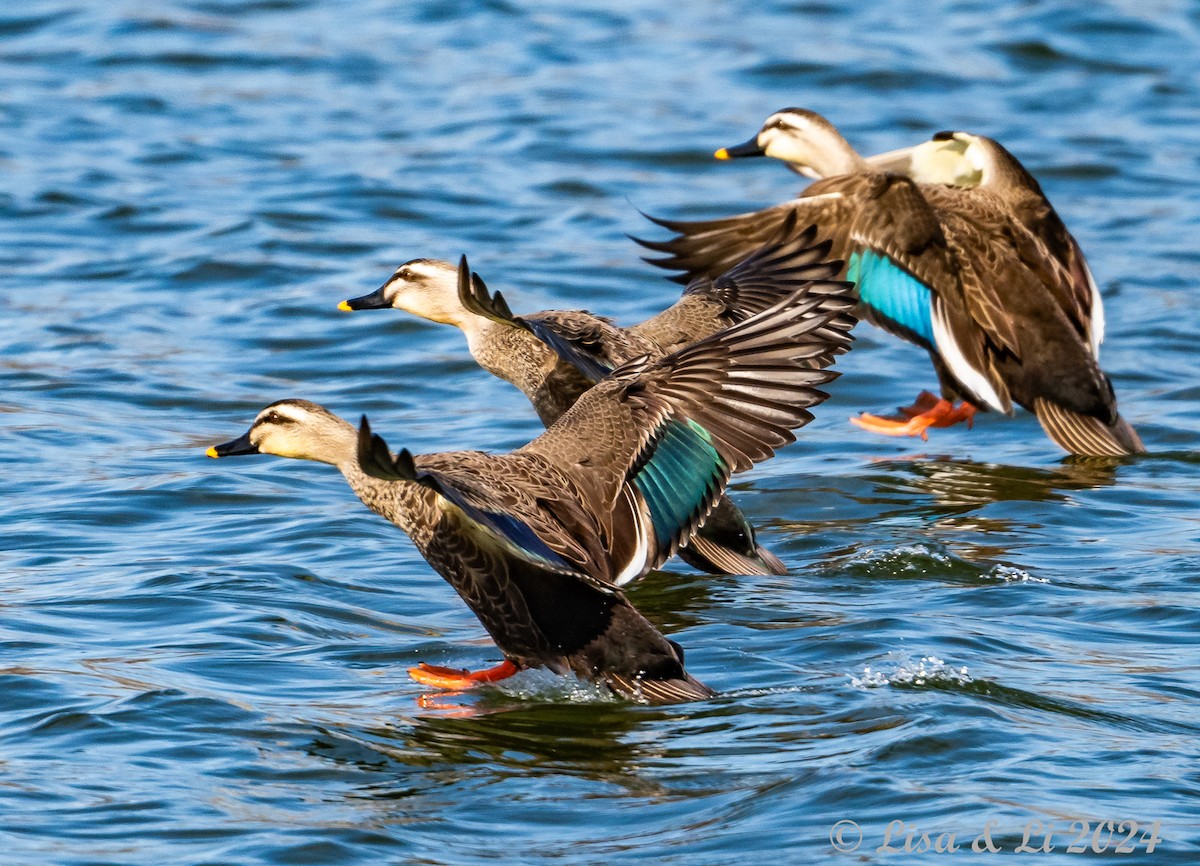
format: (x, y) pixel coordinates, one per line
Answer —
(924, 560)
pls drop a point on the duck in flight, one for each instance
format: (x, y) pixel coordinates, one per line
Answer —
(955, 248)
(538, 541)
(554, 356)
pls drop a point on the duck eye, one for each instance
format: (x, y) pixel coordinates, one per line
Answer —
(273, 417)
(781, 124)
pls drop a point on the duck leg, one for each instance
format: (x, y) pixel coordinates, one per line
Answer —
(457, 679)
(928, 411)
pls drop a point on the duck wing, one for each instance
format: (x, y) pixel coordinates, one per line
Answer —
(517, 503)
(526, 558)
(674, 430)
(590, 343)
(1047, 247)
(909, 280)
(764, 277)
(589, 346)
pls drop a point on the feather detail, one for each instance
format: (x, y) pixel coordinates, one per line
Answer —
(573, 351)
(770, 274)
(473, 294)
(893, 293)
(1085, 435)
(652, 691)
(981, 389)
(725, 403)
(762, 563)
(680, 475)
(517, 536)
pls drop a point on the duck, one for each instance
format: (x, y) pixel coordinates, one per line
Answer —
(536, 541)
(554, 356)
(954, 248)
(969, 161)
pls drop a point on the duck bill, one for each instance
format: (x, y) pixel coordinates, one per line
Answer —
(746, 148)
(373, 301)
(239, 446)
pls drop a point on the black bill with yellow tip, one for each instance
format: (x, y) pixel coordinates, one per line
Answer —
(746, 148)
(373, 301)
(240, 445)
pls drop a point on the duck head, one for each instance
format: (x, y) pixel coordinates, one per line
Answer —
(806, 141)
(294, 428)
(424, 287)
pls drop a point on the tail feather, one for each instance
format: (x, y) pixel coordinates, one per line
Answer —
(708, 555)
(673, 691)
(1085, 435)
(772, 563)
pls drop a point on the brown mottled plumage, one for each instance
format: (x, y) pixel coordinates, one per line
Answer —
(536, 541)
(1013, 313)
(554, 356)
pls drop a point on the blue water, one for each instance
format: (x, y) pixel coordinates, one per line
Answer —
(204, 662)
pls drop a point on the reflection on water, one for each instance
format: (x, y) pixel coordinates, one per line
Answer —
(955, 486)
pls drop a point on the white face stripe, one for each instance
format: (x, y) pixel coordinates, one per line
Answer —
(790, 118)
(975, 382)
(420, 271)
(430, 268)
(291, 411)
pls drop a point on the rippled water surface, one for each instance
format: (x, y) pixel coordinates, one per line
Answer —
(204, 662)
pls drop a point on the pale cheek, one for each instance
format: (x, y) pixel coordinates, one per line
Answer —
(783, 150)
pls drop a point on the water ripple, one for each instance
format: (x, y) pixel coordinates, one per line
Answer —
(206, 663)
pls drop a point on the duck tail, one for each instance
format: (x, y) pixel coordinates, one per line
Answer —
(650, 691)
(708, 555)
(1086, 435)
(772, 563)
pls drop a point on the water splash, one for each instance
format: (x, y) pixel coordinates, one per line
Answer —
(930, 670)
(1011, 574)
(907, 558)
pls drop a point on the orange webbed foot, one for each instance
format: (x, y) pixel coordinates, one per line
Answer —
(460, 680)
(927, 411)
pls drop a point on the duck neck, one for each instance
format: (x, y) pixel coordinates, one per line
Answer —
(399, 502)
(839, 158)
(510, 353)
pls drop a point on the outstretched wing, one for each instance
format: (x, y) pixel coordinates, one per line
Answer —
(770, 274)
(766, 276)
(912, 279)
(676, 429)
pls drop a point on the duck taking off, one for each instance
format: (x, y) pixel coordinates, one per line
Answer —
(537, 541)
(554, 356)
(954, 247)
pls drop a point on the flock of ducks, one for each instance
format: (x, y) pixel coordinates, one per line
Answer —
(950, 244)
